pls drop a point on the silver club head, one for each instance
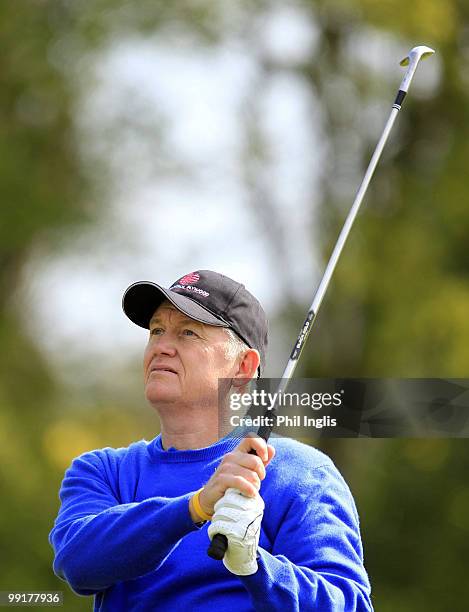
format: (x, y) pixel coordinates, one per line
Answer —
(416, 54)
(412, 61)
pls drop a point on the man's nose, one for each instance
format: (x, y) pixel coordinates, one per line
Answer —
(164, 345)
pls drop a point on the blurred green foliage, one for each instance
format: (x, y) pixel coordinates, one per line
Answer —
(397, 307)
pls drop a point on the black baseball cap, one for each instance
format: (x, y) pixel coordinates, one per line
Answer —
(205, 296)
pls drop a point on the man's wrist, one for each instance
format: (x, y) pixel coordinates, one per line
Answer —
(194, 516)
(197, 512)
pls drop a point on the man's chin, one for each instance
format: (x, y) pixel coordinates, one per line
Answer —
(161, 394)
(161, 398)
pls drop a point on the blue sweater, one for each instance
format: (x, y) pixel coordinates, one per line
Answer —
(124, 533)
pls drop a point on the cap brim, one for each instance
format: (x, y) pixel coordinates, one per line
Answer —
(142, 299)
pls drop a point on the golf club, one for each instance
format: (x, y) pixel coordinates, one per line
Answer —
(219, 542)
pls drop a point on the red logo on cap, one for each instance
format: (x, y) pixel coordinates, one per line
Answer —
(189, 279)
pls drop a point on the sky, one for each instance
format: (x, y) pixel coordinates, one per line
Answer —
(163, 125)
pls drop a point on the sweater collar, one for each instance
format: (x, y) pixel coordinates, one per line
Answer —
(171, 455)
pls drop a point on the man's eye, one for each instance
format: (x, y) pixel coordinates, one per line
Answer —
(156, 331)
(188, 332)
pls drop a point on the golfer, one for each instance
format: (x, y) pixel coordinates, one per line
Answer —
(135, 523)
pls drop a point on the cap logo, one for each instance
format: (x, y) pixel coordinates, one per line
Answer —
(187, 283)
(189, 279)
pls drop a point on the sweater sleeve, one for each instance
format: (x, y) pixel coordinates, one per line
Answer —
(99, 541)
(317, 558)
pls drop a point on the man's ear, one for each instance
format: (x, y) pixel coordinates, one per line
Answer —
(247, 368)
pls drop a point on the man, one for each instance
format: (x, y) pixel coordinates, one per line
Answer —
(134, 524)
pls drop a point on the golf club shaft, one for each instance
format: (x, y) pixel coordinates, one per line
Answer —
(219, 542)
(411, 60)
(332, 263)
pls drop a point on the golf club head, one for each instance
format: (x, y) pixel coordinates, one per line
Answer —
(411, 61)
(416, 54)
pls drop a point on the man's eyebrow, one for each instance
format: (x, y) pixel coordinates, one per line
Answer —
(154, 319)
(180, 320)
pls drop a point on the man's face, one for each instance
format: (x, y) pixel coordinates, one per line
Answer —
(184, 359)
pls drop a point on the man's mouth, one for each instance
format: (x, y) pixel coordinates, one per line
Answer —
(162, 368)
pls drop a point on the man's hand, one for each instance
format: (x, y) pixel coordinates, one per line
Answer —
(238, 470)
(239, 519)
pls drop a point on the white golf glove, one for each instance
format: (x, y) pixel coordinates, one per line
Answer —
(239, 519)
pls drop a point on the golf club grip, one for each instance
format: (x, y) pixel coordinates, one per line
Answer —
(219, 544)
